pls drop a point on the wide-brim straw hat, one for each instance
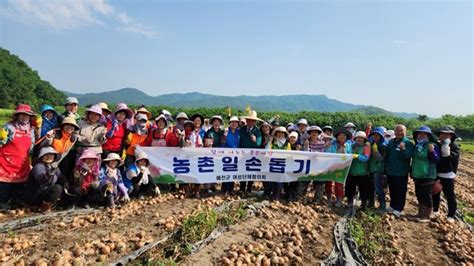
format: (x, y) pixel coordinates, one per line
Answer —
(69, 120)
(252, 115)
(105, 107)
(143, 110)
(280, 129)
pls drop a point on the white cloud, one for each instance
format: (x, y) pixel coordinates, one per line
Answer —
(70, 14)
(129, 24)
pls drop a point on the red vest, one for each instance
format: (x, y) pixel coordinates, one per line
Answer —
(115, 142)
(14, 158)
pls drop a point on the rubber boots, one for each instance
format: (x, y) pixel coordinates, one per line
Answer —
(425, 215)
(420, 212)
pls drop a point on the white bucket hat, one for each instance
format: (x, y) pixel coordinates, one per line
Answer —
(182, 115)
(293, 134)
(302, 121)
(350, 124)
(114, 157)
(360, 134)
(234, 119)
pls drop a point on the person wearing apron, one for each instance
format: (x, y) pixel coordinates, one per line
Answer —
(16, 142)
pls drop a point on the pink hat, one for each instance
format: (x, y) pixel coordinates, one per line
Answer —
(124, 108)
(24, 109)
(88, 154)
(95, 109)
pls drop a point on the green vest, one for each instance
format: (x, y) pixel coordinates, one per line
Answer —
(376, 166)
(358, 168)
(421, 166)
(286, 146)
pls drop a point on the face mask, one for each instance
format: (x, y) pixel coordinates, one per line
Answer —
(421, 140)
(281, 142)
(352, 130)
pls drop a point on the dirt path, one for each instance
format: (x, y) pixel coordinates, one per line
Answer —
(438, 242)
(418, 242)
(300, 233)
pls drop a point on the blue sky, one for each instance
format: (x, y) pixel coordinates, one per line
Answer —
(399, 55)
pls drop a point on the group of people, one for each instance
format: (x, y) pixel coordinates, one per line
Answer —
(91, 158)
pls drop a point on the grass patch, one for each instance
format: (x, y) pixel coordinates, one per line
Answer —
(198, 227)
(5, 116)
(367, 230)
(468, 214)
(231, 216)
(467, 147)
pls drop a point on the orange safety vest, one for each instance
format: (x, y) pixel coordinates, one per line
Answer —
(133, 140)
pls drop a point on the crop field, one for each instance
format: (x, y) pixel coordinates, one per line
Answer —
(172, 229)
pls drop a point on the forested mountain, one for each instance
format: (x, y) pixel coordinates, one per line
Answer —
(21, 84)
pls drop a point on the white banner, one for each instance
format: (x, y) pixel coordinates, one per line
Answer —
(213, 165)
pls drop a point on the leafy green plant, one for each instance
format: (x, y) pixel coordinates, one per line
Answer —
(467, 213)
(367, 231)
(199, 226)
(231, 216)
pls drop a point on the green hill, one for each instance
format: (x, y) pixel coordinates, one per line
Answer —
(287, 103)
(21, 84)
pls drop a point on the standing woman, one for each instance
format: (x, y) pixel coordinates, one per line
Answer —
(159, 132)
(447, 168)
(72, 106)
(49, 119)
(116, 128)
(302, 125)
(198, 120)
(377, 164)
(341, 145)
(231, 140)
(267, 138)
(175, 133)
(359, 173)
(293, 139)
(423, 171)
(280, 142)
(16, 139)
(138, 136)
(106, 113)
(314, 143)
(191, 139)
(91, 134)
(214, 138)
(214, 134)
(399, 154)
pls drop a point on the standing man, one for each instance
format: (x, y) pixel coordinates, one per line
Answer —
(398, 158)
(250, 137)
